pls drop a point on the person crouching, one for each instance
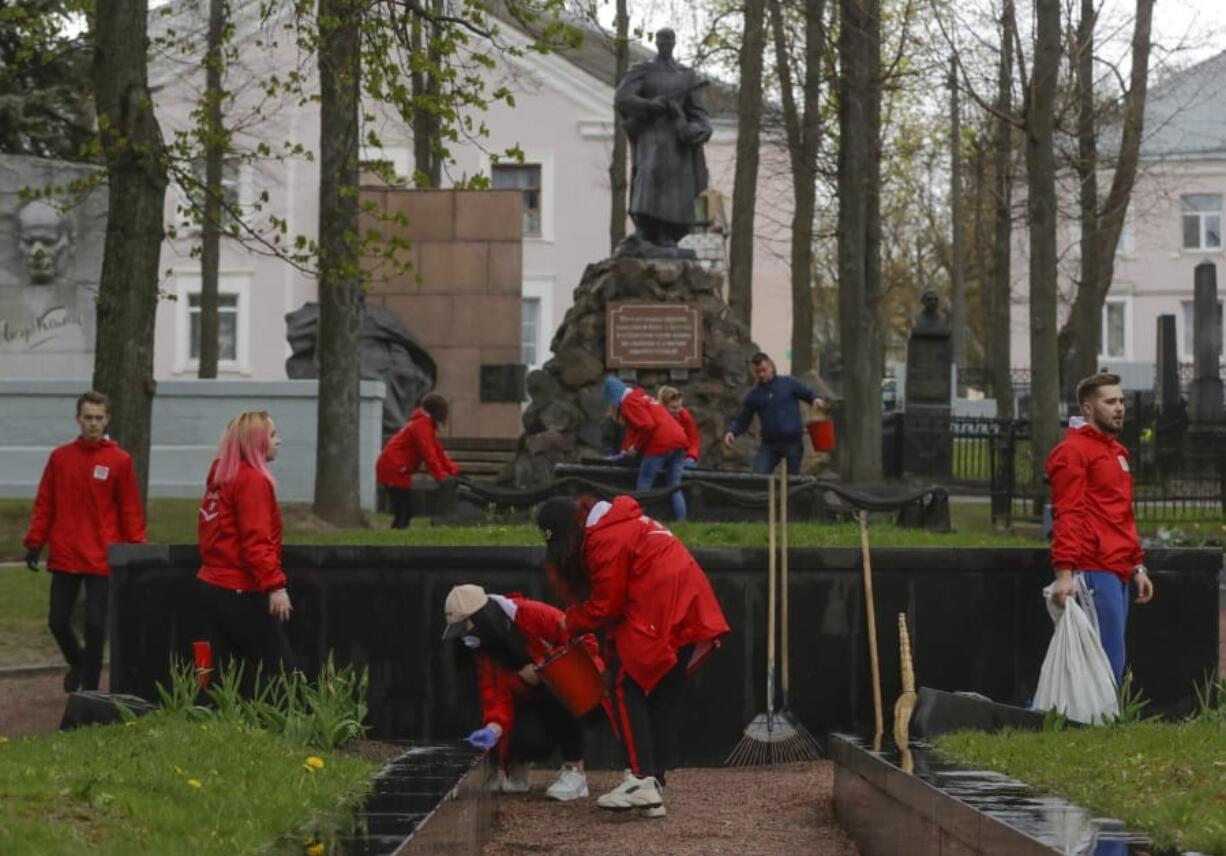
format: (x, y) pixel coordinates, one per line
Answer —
(522, 719)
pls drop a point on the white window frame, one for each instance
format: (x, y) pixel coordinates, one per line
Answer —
(1200, 215)
(1126, 302)
(540, 287)
(184, 202)
(234, 282)
(543, 159)
(398, 156)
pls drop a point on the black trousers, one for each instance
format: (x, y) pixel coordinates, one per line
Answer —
(402, 506)
(64, 590)
(240, 631)
(647, 722)
(542, 724)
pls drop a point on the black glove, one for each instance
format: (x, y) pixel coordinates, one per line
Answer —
(32, 558)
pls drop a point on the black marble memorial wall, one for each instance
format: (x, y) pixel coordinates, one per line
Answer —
(976, 615)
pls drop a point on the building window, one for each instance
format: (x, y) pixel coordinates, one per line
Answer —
(231, 174)
(1202, 221)
(530, 330)
(227, 327)
(525, 178)
(1187, 344)
(1115, 318)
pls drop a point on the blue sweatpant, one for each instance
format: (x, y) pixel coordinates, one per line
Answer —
(1110, 605)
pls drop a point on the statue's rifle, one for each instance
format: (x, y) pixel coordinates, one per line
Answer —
(671, 100)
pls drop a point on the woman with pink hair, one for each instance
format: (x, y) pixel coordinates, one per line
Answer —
(240, 586)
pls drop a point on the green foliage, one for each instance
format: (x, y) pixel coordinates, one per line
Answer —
(1131, 702)
(323, 714)
(1160, 777)
(165, 784)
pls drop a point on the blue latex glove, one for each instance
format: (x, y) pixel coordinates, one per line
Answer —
(620, 456)
(690, 463)
(483, 738)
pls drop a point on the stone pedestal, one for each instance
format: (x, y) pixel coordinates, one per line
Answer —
(1205, 392)
(927, 443)
(563, 419)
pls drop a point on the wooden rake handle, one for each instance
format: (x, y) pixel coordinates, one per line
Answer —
(870, 611)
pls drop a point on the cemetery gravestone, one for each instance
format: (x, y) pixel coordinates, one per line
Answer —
(1167, 376)
(1205, 394)
(927, 444)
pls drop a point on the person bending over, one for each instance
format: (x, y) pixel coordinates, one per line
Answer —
(415, 444)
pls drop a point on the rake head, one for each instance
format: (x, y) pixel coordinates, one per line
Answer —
(773, 738)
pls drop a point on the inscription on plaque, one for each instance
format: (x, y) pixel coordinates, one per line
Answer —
(653, 335)
(928, 362)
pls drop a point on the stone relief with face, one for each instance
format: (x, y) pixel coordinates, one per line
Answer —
(46, 241)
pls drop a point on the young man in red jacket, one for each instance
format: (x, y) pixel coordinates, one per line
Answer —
(414, 444)
(652, 433)
(1095, 550)
(87, 500)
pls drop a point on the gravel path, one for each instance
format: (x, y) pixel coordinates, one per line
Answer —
(775, 811)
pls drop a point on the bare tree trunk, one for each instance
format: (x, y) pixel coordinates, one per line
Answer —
(803, 136)
(617, 167)
(957, 274)
(1080, 339)
(859, 234)
(745, 179)
(976, 338)
(210, 234)
(340, 279)
(998, 334)
(1041, 206)
(427, 143)
(136, 179)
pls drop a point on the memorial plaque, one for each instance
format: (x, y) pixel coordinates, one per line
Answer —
(928, 365)
(653, 335)
(503, 382)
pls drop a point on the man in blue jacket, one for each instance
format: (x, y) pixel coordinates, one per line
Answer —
(774, 399)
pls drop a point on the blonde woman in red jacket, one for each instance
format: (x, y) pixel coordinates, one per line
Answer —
(240, 586)
(87, 500)
(413, 445)
(671, 398)
(624, 573)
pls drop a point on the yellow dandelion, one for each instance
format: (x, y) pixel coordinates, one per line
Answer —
(316, 848)
(180, 770)
(3, 739)
(195, 783)
(313, 763)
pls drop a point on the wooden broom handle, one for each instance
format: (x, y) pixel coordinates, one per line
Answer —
(770, 597)
(783, 581)
(870, 612)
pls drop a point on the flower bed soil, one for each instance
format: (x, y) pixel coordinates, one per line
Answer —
(771, 811)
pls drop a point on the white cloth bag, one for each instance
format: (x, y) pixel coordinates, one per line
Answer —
(1076, 679)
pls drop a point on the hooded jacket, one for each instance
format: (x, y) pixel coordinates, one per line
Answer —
(501, 687)
(693, 442)
(87, 500)
(647, 592)
(415, 443)
(239, 529)
(1091, 490)
(650, 428)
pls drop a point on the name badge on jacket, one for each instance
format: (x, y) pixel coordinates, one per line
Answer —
(1123, 462)
(101, 472)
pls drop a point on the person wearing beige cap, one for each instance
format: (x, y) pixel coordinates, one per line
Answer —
(509, 635)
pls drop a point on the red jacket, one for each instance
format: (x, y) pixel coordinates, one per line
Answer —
(240, 533)
(501, 687)
(1091, 491)
(646, 591)
(87, 500)
(416, 442)
(693, 444)
(650, 428)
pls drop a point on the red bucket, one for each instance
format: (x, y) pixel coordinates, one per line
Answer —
(821, 434)
(204, 663)
(572, 676)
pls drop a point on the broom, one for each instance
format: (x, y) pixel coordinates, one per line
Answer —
(905, 705)
(775, 737)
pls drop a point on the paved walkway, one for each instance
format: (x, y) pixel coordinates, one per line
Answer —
(765, 811)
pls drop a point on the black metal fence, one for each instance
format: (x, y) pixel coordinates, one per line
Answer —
(1178, 467)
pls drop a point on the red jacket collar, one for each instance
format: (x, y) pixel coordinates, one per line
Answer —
(94, 445)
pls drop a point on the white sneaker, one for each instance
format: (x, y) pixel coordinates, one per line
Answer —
(633, 793)
(654, 811)
(516, 780)
(571, 784)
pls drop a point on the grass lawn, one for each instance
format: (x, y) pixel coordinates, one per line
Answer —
(1167, 779)
(164, 785)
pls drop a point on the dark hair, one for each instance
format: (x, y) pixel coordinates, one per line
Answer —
(1088, 387)
(93, 397)
(563, 519)
(435, 405)
(760, 358)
